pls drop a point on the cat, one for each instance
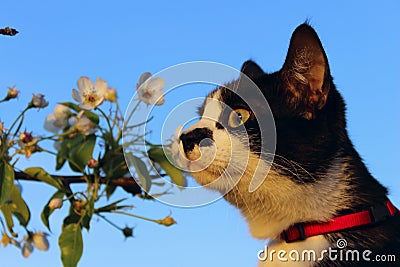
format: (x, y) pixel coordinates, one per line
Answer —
(316, 180)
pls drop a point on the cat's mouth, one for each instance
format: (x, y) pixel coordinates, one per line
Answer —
(200, 158)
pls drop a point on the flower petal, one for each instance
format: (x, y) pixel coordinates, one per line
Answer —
(61, 110)
(158, 98)
(156, 84)
(84, 84)
(49, 124)
(61, 113)
(99, 101)
(27, 249)
(72, 121)
(143, 78)
(76, 96)
(100, 86)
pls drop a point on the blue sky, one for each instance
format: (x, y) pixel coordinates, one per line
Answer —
(60, 41)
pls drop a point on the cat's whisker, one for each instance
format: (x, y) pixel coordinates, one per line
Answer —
(293, 164)
(234, 189)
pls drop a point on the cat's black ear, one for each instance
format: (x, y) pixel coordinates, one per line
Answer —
(306, 72)
(251, 69)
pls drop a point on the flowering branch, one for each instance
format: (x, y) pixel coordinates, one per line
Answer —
(77, 129)
(127, 183)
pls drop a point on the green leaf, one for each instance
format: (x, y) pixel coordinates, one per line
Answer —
(141, 170)
(110, 189)
(90, 115)
(71, 105)
(110, 207)
(72, 218)
(47, 211)
(88, 213)
(19, 208)
(71, 245)
(16, 206)
(6, 181)
(43, 176)
(81, 150)
(7, 213)
(157, 154)
(113, 163)
(62, 153)
(65, 149)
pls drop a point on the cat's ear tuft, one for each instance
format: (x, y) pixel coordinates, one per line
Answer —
(306, 72)
(251, 69)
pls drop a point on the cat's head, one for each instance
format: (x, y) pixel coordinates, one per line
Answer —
(226, 143)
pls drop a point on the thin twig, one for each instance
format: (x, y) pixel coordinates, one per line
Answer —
(8, 31)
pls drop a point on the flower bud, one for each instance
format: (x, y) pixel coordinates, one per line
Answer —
(167, 221)
(79, 205)
(55, 203)
(27, 249)
(11, 94)
(38, 101)
(127, 231)
(25, 137)
(111, 95)
(40, 241)
(5, 240)
(92, 163)
(30, 148)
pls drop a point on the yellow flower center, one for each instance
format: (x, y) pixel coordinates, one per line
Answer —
(91, 98)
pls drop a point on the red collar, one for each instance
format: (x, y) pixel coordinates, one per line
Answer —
(374, 214)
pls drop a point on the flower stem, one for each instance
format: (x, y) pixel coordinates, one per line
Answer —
(21, 115)
(133, 111)
(135, 216)
(108, 221)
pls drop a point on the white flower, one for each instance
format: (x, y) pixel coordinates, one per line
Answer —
(40, 241)
(62, 113)
(89, 96)
(84, 125)
(58, 120)
(51, 124)
(55, 203)
(38, 101)
(27, 249)
(149, 89)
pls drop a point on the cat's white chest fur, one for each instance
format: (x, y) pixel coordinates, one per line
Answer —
(292, 255)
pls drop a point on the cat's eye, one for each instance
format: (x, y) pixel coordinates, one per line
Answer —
(238, 117)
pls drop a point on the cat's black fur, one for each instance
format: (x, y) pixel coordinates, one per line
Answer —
(309, 115)
(314, 142)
